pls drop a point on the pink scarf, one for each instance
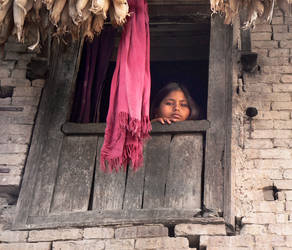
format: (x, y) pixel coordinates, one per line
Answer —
(128, 123)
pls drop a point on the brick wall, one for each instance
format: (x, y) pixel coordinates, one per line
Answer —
(17, 114)
(261, 160)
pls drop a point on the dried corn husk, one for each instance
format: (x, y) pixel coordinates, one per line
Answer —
(284, 6)
(64, 21)
(34, 46)
(217, 5)
(73, 12)
(97, 24)
(57, 10)
(49, 4)
(80, 5)
(121, 11)
(5, 6)
(88, 30)
(105, 8)
(268, 10)
(97, 6)
(85, 13)
(20, 9)
(37, 5)
(6, 26)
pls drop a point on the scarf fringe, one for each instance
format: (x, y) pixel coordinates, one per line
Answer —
(132, 153)
(135, 127)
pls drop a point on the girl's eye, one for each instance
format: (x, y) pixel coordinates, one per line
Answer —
(184, 105)
(168, 103)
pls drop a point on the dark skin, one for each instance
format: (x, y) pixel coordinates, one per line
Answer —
(173, 108)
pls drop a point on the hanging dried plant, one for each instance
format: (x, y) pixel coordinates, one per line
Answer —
(97, 24)
(56, 11)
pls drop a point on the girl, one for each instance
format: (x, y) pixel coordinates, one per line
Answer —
(173, 103)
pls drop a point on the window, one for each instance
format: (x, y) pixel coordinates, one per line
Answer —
(62, 185)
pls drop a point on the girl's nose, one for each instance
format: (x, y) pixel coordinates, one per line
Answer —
(176, 107)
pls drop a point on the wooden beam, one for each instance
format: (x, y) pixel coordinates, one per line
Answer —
(219, 83)
(119, 217)
(70, 128)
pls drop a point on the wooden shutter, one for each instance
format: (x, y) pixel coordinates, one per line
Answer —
(63, 184)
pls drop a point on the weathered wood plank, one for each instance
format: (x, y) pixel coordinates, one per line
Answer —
(75, 174)
(156, 164)
(108, 187)
(70, 128)
(229, 209)
(56, 110)
(42, 162)
(120, 217)
(184, 180)
(215, 137)
(134, 188)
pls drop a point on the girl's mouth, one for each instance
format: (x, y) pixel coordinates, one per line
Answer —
(176, 116)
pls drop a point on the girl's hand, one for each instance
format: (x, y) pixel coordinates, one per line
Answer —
(163, 120)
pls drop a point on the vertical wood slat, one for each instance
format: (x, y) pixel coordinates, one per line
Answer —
(133, 198)
(215, 137)
(75, 174)
(183, 186)
(156, 164)
(108, 187)
(41, 166)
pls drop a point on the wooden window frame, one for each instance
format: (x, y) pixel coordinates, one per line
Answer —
(54, 112)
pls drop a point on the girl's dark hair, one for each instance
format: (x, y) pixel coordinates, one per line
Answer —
(172, 86)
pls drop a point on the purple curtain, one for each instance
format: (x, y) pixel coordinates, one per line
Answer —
(90, 80)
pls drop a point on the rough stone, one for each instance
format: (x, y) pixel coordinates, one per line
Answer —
(98, 233)
(38, 83)
(280, 28)
(260, 218)
(13, 236)
(268, 206)
(13, 148)
(227, 241)
(12, 159)
(15, 82)
(59, 234)
(258, 143)
(199, 229)
(116, 244)
(26, 91)
(79, 245)
(279, 52)
(26, 100)
(26, 246)
(141, 231)
(274, 153)
(163, 242)
(280, 229)
(261, 36)
(253, 229)
(4, 73)
(19, 73)
(264, 44)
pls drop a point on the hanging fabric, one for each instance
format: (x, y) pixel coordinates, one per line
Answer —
(128, 123)
(91, 76)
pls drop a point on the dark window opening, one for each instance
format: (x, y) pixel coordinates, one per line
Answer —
(179, 53)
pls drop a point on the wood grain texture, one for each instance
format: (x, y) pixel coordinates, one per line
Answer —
(70, 128)
(75, 174)
(134, 188)
(42, 162)
(119, 217)
(109, 188)
(156, 164)
(183, 185)
(216, 135)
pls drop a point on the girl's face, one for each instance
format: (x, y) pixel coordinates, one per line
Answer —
(174, 106)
